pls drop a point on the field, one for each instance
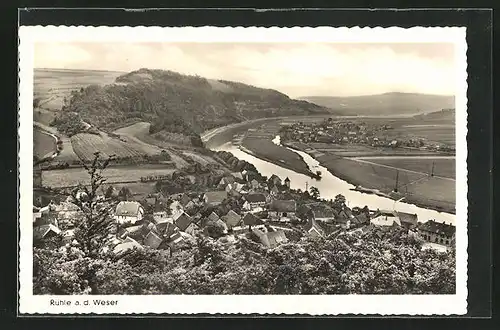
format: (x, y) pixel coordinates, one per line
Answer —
(436, 192)
(85, 145)
(43, 144)
(442, 167)
(51, 86)
(73, 176)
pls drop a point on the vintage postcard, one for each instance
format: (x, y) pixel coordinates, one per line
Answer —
(188, 170)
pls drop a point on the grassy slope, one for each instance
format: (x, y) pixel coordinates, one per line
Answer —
(384, 104)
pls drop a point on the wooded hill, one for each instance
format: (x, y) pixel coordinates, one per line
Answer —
(178, 103)
(384, 104)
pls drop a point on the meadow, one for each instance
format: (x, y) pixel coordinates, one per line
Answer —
(51, 86)
(74, 176)
(43, 144)
(442, 167)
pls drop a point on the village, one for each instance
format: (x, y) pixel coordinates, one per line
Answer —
(240, 204)
(360, 133)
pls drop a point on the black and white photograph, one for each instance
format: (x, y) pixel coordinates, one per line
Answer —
(237, 164)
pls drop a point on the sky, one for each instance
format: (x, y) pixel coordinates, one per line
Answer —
(296, 69)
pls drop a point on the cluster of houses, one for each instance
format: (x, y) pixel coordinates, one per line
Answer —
(242, 203)
(355, 133)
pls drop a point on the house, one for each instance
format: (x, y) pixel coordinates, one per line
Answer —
(287, 182)
(225, 181)
(45, 232)
(438, 232)
(408, 220)
(282, 210)
(237, 175)
(184, 200)
(127, 245)
(232, 219)
(254, 201)
(323, 213)
(271, 239)
(251, 220)
(313, 229)
(152, 240)
(254, 184)
(385, 219)
(214, 197)
(128, 212)
(213, 217)
(135, 232)
(184, 222)
(176, 207)
(274, 179)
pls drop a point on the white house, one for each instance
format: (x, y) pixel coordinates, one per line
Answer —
(128, 212)
(386, 219)
(254, 201)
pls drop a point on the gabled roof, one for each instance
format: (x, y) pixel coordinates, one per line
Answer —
(237, 175)
(226, 180)
(287, 179)
(438, 228)
(232, 218)
(127, 208)
(215, 196)
(44, 230)
(283, 206)
(182, 220)
(274, 178)
(312, 225)
(213, 217)
(185, 199)
(255, 198)
(408, 218)
(152, 240)
(127, 245)
(251, 220)
(322, 212)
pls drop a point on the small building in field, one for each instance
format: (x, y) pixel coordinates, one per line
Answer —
(438, 232)
(128, 212)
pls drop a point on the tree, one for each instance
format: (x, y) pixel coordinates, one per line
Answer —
(97, 222)
(339, 202)
(125, 194)
(314, 192)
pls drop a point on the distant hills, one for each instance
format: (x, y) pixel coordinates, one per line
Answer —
(179, 103)
(384, 104)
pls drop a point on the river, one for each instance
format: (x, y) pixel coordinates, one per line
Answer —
(330, 186)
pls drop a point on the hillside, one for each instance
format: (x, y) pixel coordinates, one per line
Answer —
(177, 103)
(384, 104)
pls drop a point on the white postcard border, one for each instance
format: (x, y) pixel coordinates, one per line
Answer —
(239, 304)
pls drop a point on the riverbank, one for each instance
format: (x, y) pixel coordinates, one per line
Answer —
(426, 192)
(272, 153)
